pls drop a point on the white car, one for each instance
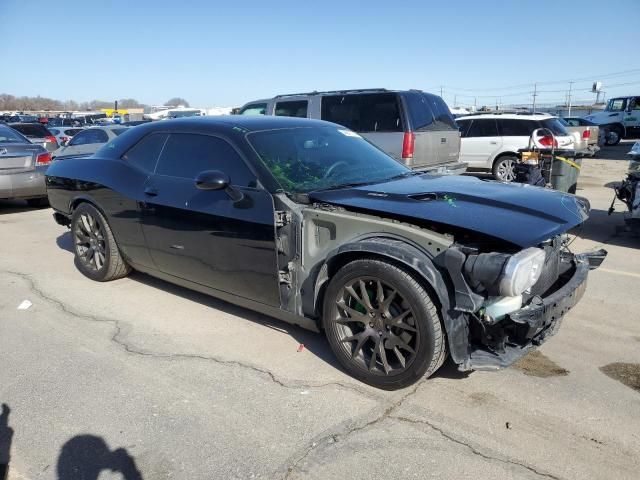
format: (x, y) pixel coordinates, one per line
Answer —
(490, 141)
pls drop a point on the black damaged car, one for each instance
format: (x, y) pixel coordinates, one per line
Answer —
(308, 222)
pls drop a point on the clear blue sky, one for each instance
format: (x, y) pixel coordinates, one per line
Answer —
(226, 53)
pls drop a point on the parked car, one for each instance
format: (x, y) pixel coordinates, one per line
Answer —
(306, 221)
(64, 122)
(88, 141)
(22, 167)
(620, 119)
(64, 134)
(20, 118)
(37, 133)
(586, 137)
(414, 127)
(490, 141)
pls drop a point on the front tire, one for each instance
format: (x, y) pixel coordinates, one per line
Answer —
(504, 168)
(382, 324)
(613, 136)
(96, 252)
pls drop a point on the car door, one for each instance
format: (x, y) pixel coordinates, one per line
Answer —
(205, 236)
(480, 142)
(631, 117)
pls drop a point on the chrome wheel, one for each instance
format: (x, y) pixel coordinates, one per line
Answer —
(376, 326)
(505, 170)
(89, 242)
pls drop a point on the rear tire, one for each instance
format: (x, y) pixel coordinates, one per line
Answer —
(38, 202)
(503, 168)
(96, 252)
(382, 324)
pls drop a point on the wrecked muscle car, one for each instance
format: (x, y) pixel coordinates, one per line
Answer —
(308, 222)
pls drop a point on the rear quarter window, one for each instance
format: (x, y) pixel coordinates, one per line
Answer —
(366, 112)
(428, 112)
(145, 153)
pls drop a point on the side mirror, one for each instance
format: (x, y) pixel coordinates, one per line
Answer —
(212, 180)
(217, 180)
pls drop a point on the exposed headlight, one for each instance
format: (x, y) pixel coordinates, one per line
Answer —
(521, 271)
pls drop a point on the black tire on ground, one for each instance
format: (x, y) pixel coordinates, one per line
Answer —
(95, 248)
(38, 202)
(396, 319)
(613, 136)
(503, 168)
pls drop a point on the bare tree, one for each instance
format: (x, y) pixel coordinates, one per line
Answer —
(174, 102)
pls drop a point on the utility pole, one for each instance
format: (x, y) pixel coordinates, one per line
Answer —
(569, 98)
(475, 104)
(535, 94)
(455, 101)
(441, 91)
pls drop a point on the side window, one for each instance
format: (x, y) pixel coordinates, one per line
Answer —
(296, 108)
(516, 128)
(254, 109)
(443, 116)
(485, 127)
(145, 153)
(572, 122)
(635, 104)
(185, 155)
(375, 112)
(93, 135)
(464, 127)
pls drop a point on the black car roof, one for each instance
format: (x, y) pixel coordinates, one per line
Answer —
(231, 122)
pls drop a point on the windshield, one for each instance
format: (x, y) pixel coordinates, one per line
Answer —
(9, 135)
(317, 158)
(616, 105)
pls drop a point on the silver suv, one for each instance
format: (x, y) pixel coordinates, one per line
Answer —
(414, 127)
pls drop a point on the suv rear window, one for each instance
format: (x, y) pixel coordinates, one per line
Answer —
(364, 112)
(297, 108)
(555, 126)
(428, 112)
(32, 130)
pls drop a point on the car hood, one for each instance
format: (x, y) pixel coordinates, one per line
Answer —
(521, 214)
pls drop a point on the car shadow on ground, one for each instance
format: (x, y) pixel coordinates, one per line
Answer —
(312, 341)
(16, 206)
(609, 229)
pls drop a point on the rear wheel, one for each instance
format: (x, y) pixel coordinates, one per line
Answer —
(96, 252)
(382, 324)
(504, 168)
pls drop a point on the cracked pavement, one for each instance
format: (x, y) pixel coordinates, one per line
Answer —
(195, 388)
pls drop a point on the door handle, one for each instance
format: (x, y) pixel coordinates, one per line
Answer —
(150, 191)
(493, 143)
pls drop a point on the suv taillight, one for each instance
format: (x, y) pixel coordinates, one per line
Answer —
(51, 139)
(586, 134)
(547, 141)
(43, 159)
(408, 144)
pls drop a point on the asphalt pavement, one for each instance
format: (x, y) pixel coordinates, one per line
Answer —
(138, 378)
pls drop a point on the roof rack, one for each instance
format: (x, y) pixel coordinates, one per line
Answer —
(315, 92)
(506, 112)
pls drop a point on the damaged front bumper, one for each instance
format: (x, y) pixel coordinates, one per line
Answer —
(499, 345)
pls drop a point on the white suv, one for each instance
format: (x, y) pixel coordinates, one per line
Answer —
(490, 141)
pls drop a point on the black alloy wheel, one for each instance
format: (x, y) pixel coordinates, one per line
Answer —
(89, 241)
(96, 252)
(382, 324)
